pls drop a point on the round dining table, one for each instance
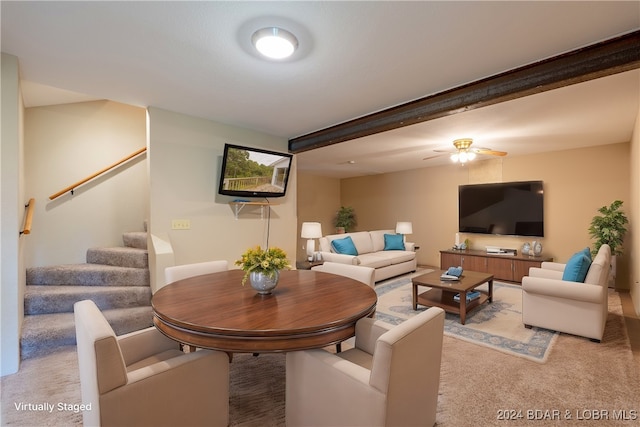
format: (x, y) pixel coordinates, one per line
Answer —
(308, 309)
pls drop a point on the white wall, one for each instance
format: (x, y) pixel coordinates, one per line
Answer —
(12, 276)
(63, 145)
(185, 155)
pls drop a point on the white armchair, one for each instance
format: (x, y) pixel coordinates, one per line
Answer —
(142, 378)
(564, 306)
(390, 378)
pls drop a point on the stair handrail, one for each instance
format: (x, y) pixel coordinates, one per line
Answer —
(72, 187)
(28, 216)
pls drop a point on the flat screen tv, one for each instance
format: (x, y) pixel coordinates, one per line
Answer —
(254, 172)
(506, 208)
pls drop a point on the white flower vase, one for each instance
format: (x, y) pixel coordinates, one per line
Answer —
(262, 282)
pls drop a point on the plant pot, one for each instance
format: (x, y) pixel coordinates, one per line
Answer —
(262, 282)
(340, 230)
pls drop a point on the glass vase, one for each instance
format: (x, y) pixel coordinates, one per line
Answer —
(262, 282)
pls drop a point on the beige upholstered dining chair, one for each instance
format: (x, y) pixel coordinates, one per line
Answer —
(142, 378)
(179, 272)
(362, 274)
(390, 378)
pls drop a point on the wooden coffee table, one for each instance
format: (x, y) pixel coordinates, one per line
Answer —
(442, 291)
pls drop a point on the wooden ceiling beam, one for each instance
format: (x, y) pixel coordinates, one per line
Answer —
(602, 59)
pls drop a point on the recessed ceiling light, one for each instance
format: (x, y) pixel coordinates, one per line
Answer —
(274, 42)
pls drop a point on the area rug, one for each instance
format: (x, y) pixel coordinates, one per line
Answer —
(497, 325)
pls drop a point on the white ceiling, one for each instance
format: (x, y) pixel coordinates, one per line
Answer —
(355, 58)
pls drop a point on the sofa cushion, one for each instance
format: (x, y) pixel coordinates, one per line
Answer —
(377, 239)
(577, 268)
(374, 260)
(362, 241)
(344, 246)
(396, 257)
(393, 242)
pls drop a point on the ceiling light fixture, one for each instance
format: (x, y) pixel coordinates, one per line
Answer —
(463, 155)
(274, 42)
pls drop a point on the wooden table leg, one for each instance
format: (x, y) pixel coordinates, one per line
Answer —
(490, 290)
(463, 307)
(415, 296)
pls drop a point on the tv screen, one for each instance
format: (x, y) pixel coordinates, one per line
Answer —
(254, 172)
(506, 208)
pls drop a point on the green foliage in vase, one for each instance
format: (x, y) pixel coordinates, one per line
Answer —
(609, 227)
(266, 261)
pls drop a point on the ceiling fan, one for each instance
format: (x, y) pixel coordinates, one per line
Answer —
(465, 153)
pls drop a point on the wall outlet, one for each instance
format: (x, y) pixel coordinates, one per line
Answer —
(180, 224)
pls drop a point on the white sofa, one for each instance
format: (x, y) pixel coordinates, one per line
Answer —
(370, 246)
(572, 307)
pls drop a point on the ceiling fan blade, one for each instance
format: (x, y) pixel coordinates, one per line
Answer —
(434, 156)
(490, 152)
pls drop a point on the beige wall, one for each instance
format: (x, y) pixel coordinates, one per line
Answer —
(318, 201)
(577, 183)
(12, 195)
(634, 217)
(185, 156)
(65, 144)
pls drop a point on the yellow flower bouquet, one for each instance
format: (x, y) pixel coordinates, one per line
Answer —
(266, 261)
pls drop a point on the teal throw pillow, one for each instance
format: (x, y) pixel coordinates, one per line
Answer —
(344, 246)
(393, 242)
(587, 252)
(577, 268)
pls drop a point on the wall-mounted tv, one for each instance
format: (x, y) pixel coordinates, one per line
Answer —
(506, 208)
(254, 172)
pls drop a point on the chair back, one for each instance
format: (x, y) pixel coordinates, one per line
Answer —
(100, 360)
(179, 272)
(406, 367)
(362, 274)
(598, 273)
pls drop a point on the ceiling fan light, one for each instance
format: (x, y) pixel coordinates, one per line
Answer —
(471, 155)
(274, 42)
(463, 157)
(454, 157)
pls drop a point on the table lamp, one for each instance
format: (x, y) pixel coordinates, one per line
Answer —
(311, 231)
(404, 228)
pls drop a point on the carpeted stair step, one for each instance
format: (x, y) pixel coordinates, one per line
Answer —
(43, 334)
(119, 257)
(135, 239)
(60, 299)
(87, 275)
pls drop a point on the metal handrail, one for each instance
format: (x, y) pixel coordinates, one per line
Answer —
(28, 216)
(72, 187)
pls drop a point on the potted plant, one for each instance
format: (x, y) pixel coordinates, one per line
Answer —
(345, 219)
(262, 267)
(610, 228)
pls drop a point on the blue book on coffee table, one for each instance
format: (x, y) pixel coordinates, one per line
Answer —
(470, 296)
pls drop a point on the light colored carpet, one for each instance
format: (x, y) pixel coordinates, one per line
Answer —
(477, 385)
(497, 325)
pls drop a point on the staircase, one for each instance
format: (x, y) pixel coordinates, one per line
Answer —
(116, 279)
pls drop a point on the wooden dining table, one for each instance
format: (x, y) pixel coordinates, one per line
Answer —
(308, 309)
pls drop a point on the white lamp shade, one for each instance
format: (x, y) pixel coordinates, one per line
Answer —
(311, 230)
(404, 228)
